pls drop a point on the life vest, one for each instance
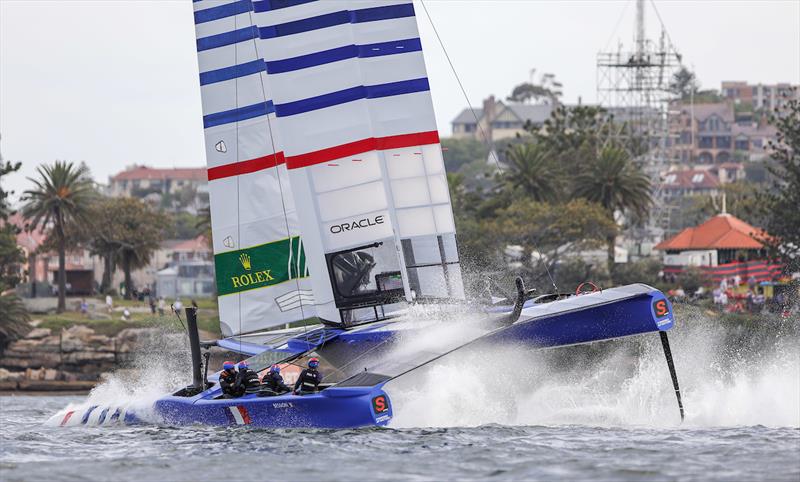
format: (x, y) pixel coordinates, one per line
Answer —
(251, 382)
(309, 380)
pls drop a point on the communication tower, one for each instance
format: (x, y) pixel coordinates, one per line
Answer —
(633, 84)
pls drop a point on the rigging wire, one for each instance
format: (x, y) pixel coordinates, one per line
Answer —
(616, 26)
(238, 202)
(664, 28)
(486, 140)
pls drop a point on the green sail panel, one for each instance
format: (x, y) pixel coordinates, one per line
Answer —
(260, 266)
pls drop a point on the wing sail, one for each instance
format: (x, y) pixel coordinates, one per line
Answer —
(261, 273)
(355, 114)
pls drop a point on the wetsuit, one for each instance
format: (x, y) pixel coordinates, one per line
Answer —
(227, 380)
(308, 381)
(248, 382)
(272, 384)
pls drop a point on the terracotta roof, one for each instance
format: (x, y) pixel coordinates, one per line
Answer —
(28, 240)
(720, 232)
(150, 173)
(197, 244)
(690, 179)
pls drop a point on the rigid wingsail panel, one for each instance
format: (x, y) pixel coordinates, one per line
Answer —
(261, 273)
(357, 124)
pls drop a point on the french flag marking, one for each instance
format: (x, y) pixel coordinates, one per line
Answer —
(239, 415)
(67, 417)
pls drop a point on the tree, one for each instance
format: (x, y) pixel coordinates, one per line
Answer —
(552, 230)
(532, 170)
(60, 197)
(684, 83)
(138, 231)
(13, 316)
(615, 183)
(11, 255)
(184, 225)
(526, 92)
(783, 215)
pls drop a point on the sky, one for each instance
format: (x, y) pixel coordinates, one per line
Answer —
(114, 83)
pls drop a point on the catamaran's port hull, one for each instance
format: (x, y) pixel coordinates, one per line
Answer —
(539, 326)
(619, 319)
(334, 408)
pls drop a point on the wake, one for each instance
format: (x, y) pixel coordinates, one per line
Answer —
(724, 382)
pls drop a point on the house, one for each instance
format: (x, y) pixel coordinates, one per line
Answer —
(729, 172)
(181, 187)
(688, 182)
(733, 130)
(498, 120)
(81, 266)
(183, 268)
(760, 96)
(723, 247)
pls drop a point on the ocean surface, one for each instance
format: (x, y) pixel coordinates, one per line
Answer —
(606, 412)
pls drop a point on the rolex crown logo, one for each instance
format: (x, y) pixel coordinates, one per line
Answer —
(245, 260)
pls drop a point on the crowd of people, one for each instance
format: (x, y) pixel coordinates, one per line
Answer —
(237, 380)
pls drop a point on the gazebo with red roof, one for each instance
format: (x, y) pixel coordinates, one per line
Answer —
(732, 245)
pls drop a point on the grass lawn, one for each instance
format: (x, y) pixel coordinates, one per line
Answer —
(207, 320)
(202, 303)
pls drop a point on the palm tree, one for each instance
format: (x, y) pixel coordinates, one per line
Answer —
(59, 200)
(13, 318)
(614, 182)
(531, 168)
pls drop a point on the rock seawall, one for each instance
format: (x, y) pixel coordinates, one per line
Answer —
(73, 359)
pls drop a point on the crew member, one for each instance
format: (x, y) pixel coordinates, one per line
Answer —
(308, 381)
(247, 379)
(272, 383)
(227, 380)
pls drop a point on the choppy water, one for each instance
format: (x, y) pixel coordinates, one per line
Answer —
(599, 413)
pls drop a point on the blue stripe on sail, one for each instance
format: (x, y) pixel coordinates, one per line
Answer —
(267, 5)
(320, 101)
(337, 18)
(227, 38)
(390, 48)
(305, 25)
(240, 114)
(397, 88)
(312, 60)
(233, 72)
(222, 11)
(382, 13)
(350, 95)
(343, 53)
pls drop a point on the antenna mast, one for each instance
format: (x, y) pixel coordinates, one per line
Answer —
(634, 86)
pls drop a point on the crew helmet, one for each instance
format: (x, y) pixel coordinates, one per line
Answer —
(243, 365)
(228, 365)
(275, 369)
(313, 363)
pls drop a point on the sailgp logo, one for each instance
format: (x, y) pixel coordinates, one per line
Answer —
(244, 258)
(357, 224)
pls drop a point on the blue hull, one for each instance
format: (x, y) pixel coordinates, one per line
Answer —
(334, 408)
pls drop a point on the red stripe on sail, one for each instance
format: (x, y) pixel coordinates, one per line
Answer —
(246, 167)
(359, 147)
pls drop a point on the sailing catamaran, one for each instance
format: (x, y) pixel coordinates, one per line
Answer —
(329, 201)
